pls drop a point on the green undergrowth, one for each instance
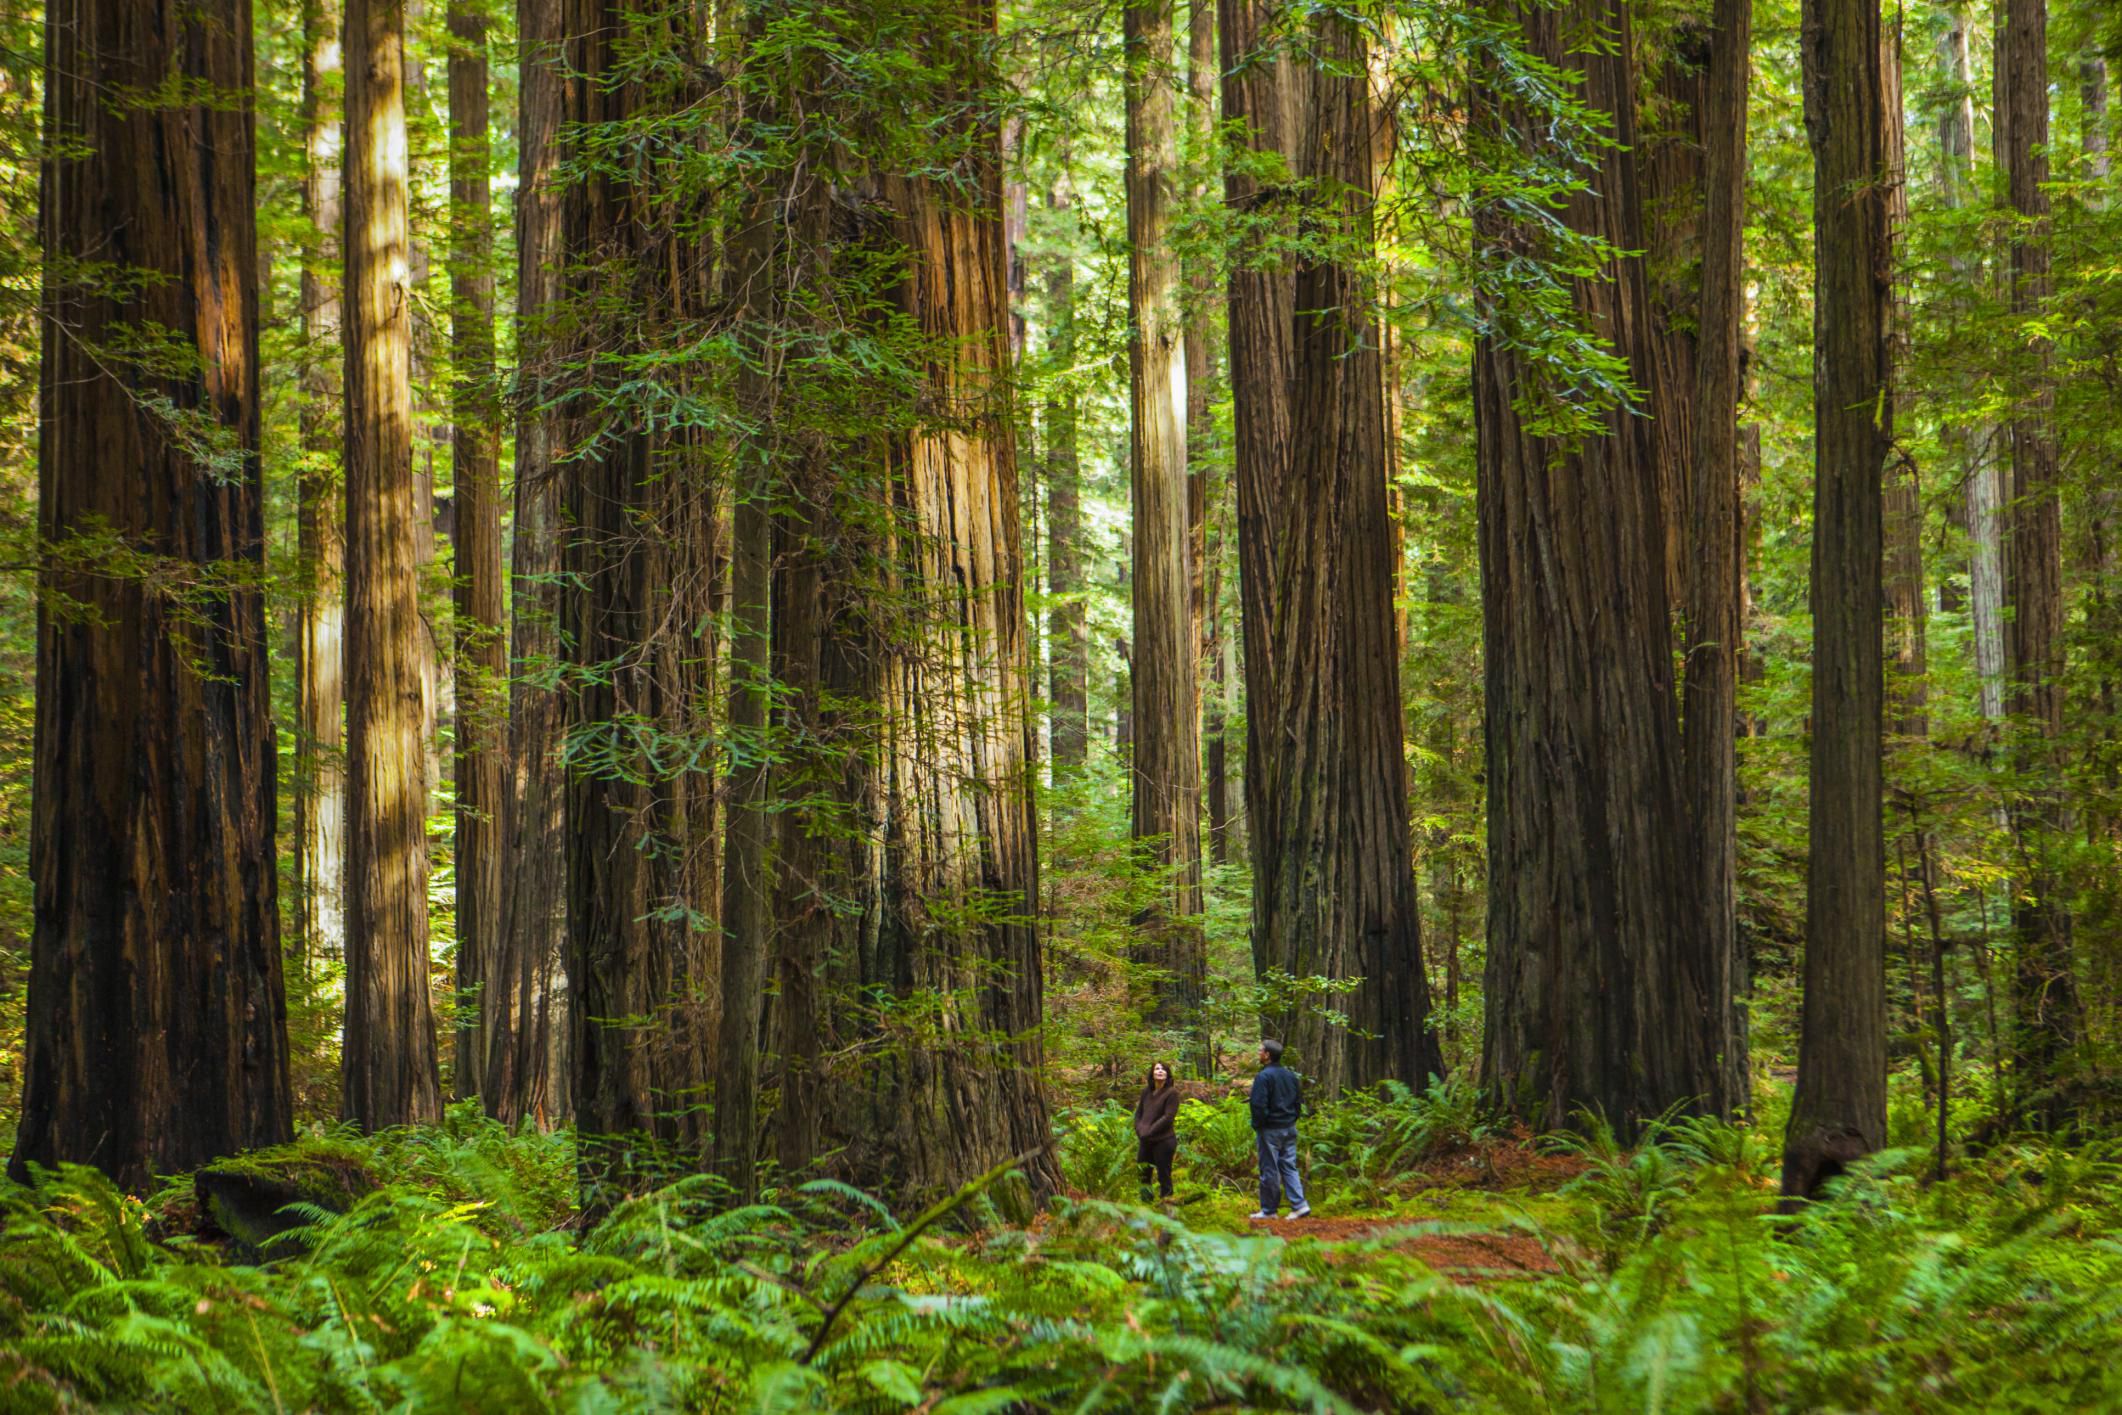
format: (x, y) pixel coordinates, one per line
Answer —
(460, 1279)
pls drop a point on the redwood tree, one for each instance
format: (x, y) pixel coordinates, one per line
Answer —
(1603, 991)
(1839, 1111)
(389, 1069)
(157, 1030)
(1165, 768)
(482, 651)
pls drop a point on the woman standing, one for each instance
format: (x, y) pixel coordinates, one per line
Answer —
(1156, 1133)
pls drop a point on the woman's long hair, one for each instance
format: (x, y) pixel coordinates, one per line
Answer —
(1149, 1077)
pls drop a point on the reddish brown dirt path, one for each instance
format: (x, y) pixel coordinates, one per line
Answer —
(1472, 1255)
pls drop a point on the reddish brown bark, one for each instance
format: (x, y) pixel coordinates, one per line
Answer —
(156, 1035)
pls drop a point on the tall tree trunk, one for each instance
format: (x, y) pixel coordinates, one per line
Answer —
(1261, 327)
(747, 889)
(1715, 628)
(1166, 766)
(1970, 446)
(1839, 1111)
(1203, 489)
(523, 980)
(389, 1058)
(320, 699)
(156, 1034)
(1907, 614)
(1345, 894)
(1603, 992)
(482, 649)
(955, 938)
(637, 559)
(2045, 988)
(1068, 626)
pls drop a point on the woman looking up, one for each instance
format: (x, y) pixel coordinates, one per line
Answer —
(1156, 1133)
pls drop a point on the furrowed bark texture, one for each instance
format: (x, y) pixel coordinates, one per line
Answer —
(1343, 900)
(1166, 766)
(2045, 987)
(1326, 787)
(1068, 627)
(1603, 992)
(637, 552)
(950, 982)
(524, 981)
(320, 537)
(389, 1067)
(1839, 1110)
(482, 646)
(156, 1034)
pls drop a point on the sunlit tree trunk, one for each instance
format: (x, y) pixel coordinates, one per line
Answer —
(1604, 993)
(1970, 445)
(1839, 1111)
(523, 984)
(958, 862)
(1166, 767)
(156, 1026)
(389, 1064)
(1907, 614)
(2045, 987)
(482, 648)
(320, 700)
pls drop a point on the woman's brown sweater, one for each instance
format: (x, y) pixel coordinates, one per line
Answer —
(1156, 1112)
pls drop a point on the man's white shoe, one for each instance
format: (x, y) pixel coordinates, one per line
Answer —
(1301, 1211)
(1260, 1214)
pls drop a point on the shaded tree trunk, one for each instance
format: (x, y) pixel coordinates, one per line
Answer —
(1603, 992)
(389, 1064)
(1839, 1111)
(1339, 889)
(482, 648)
(637, 557)
(1068, 627)
(156, 1032)
(1166, 766)
(320, 699)
(2045, 988)
(523, 981)
(1907, 614)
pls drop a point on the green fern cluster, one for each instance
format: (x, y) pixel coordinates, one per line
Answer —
(459, 1282)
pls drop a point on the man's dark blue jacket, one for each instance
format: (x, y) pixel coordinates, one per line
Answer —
(1278, 1098)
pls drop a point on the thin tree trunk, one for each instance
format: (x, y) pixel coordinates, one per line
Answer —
(389, 1057)
(522, 982)
(482, 649)
(1205, 494)
(1970, 446)
(1839, 1111)
(2045, 987)
(320, 699)
(1166, 765)
(1068, 626)
(156, 1032)
(1603, 993)
(1907, 612)
(1715, 628)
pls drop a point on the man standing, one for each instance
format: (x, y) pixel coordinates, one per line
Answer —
(1278, 1099)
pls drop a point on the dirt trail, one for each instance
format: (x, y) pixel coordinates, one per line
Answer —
(1470, 1255)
